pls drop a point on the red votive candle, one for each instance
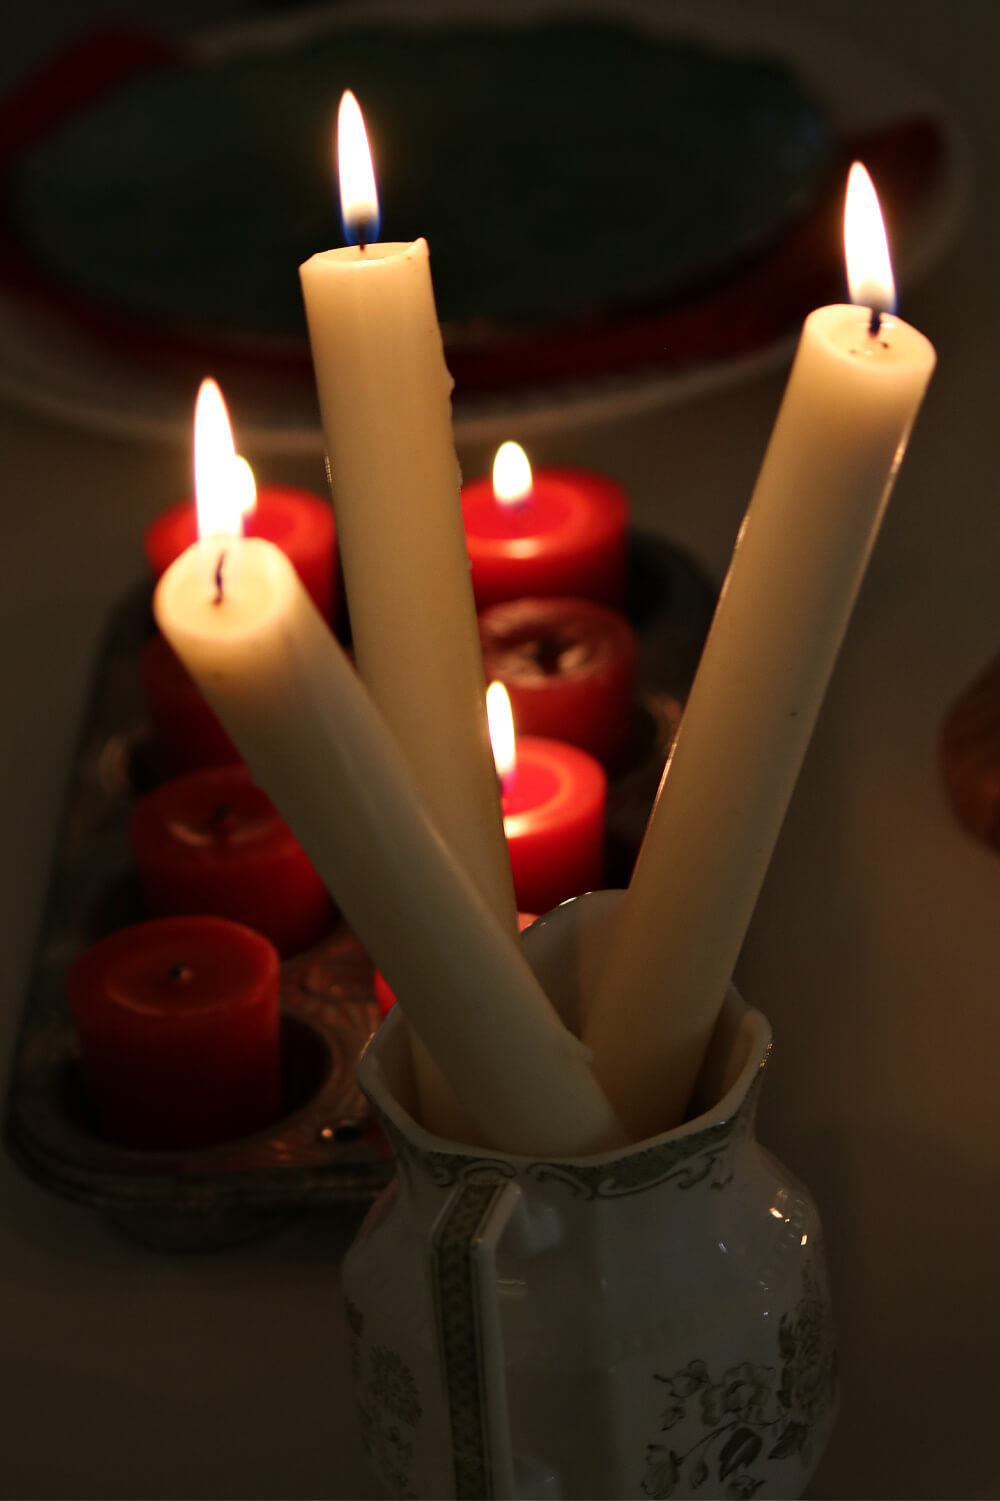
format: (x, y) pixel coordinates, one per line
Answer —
(569, 668)
(559, 531)
(385, 997)
(186, 732)
(553, 816)
(297, 521)
(178, 1021)
(213, 842)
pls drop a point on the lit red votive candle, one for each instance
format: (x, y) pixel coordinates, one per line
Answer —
(563, 534)
(297, 521)
(186, 733)
(213, 842)
(179, 1028)
(553, 817)
(569, 668)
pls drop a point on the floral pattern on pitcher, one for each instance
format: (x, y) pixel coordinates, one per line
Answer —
(388, 1404)
(754, 1398)
(752, 1413)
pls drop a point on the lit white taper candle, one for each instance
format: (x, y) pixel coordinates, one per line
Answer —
(234, 611)
(385, 401)
(854, 391)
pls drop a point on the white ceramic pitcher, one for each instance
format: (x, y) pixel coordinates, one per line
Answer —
(649, 1322)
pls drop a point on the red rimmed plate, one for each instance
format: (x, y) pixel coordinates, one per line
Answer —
(74, 359)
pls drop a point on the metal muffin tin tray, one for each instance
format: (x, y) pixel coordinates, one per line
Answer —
(325, 1149)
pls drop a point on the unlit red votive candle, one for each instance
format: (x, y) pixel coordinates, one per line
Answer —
(569, 669)
(213, 842)
(179, 1028)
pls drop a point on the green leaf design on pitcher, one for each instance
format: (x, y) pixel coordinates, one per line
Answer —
(751, 1414)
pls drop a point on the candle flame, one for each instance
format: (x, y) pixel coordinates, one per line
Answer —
(501, 722)
(219, 486)
(869, 269)
(245, 486)
(358, 194)
(511, 474)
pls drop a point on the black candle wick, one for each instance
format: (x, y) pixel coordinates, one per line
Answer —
(218, 580)
(874, 322)
(222, 817)
(179, 973)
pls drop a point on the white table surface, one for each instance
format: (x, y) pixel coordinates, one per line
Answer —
(875, 948)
